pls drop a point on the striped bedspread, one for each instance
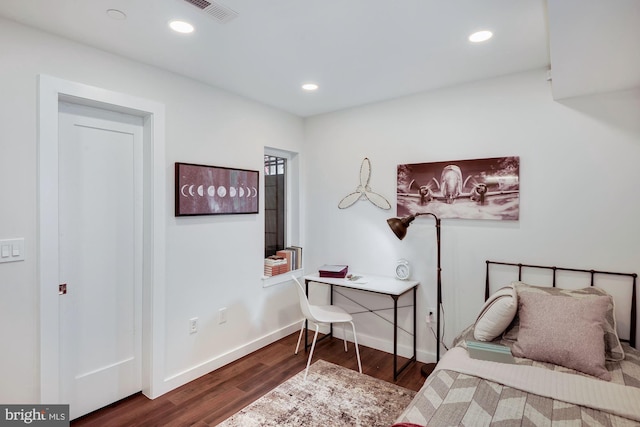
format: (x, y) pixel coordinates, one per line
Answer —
(453, 398)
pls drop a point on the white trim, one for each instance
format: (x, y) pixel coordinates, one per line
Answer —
(385, 344)
(281, 278)
(293, 220)
(50, 91)
(217, 362)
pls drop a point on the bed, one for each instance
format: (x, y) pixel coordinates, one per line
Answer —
(572, 333)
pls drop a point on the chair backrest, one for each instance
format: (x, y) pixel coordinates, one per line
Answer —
(304, 302)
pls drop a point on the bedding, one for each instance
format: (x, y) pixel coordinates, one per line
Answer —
(455, 394)
(613, 348)
(570, 366)
(563, 331)
(496, 314)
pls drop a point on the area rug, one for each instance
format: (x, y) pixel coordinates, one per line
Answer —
(331, 396)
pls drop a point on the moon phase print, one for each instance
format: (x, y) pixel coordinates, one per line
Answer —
(215, 190)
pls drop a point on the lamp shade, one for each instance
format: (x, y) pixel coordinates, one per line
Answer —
(399, 226)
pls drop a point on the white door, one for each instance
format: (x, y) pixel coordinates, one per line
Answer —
(100, 244)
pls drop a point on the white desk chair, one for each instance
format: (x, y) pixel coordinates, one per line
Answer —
(323, 314)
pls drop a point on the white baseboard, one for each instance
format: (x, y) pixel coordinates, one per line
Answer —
(386, 345)
(188, 375)
(181, 378)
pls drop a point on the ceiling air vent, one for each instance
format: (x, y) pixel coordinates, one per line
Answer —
(215, 10)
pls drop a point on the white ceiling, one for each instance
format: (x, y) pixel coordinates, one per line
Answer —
(358, 51)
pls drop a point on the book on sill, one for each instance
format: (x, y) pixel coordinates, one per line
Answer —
(488, 351)
(297, 256)
(288, 256)
(293, 255)
(275, 265)
(275, 260)
(336, 271)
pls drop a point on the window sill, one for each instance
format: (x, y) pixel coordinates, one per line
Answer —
(281, 278)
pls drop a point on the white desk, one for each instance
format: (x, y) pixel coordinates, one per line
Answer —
(381, 285)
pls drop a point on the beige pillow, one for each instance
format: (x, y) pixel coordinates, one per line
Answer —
(564, 331)
(496, 314)
(613, 348)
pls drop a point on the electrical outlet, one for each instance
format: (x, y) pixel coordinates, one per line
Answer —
(431, 315)
(193, 325)
(222, 315)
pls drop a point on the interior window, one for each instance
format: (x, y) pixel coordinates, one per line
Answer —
(275, 169)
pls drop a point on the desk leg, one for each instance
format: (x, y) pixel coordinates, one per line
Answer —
(415, 324)
(331, 303)
(395, 337)
(306, 322)
(397, 371)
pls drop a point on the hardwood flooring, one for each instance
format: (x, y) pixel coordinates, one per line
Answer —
(217, 395)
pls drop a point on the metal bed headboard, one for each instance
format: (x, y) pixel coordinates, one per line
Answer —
(632, 276)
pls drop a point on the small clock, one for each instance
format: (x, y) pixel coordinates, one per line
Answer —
(403, 270)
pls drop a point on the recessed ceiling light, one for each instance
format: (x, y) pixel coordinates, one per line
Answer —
(480, 36)
(310, 87)
(116, 14)
(181, 27)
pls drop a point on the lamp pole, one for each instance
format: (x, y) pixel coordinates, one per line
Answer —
(399, 227)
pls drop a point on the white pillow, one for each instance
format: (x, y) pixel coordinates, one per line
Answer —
(496, 314)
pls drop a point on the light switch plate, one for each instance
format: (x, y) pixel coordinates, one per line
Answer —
(11, 250)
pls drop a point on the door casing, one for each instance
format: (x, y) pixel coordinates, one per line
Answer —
(51, 91)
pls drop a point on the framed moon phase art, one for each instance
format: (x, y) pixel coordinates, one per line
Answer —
(215, 190)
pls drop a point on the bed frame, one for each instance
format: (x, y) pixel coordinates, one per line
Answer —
(632, 276)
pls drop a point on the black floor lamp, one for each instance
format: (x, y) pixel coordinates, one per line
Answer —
(399, 227)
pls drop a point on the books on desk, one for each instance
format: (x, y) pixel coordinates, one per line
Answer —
(488, 351)
(337, 271)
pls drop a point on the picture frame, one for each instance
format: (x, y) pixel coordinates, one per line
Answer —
(215, 190)
(465, 189)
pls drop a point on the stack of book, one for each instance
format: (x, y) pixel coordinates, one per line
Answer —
(293, 255)
(275, 265)
(337, 271)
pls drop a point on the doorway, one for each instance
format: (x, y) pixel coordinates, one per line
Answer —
(150, 229)
(100, 255)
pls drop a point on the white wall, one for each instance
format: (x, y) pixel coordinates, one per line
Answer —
(212, 262)
(579, 175)
(578, 201)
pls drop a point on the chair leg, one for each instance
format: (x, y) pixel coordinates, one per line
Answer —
(344, 336)
(355, 342)
(300, 336)
(313, 346)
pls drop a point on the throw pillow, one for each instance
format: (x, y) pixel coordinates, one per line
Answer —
(564, 331)
(613, 348)
(496, 314)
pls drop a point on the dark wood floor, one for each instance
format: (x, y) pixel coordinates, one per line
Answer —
(214, 397)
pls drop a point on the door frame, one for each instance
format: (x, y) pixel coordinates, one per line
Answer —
(51, 90)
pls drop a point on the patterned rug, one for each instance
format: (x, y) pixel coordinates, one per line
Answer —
(331, 396)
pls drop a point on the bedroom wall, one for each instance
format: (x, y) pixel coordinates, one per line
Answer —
(212, 262)
(579, 178)
(578, 206)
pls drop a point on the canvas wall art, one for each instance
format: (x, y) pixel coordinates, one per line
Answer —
(469, 189)
(212, 190)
